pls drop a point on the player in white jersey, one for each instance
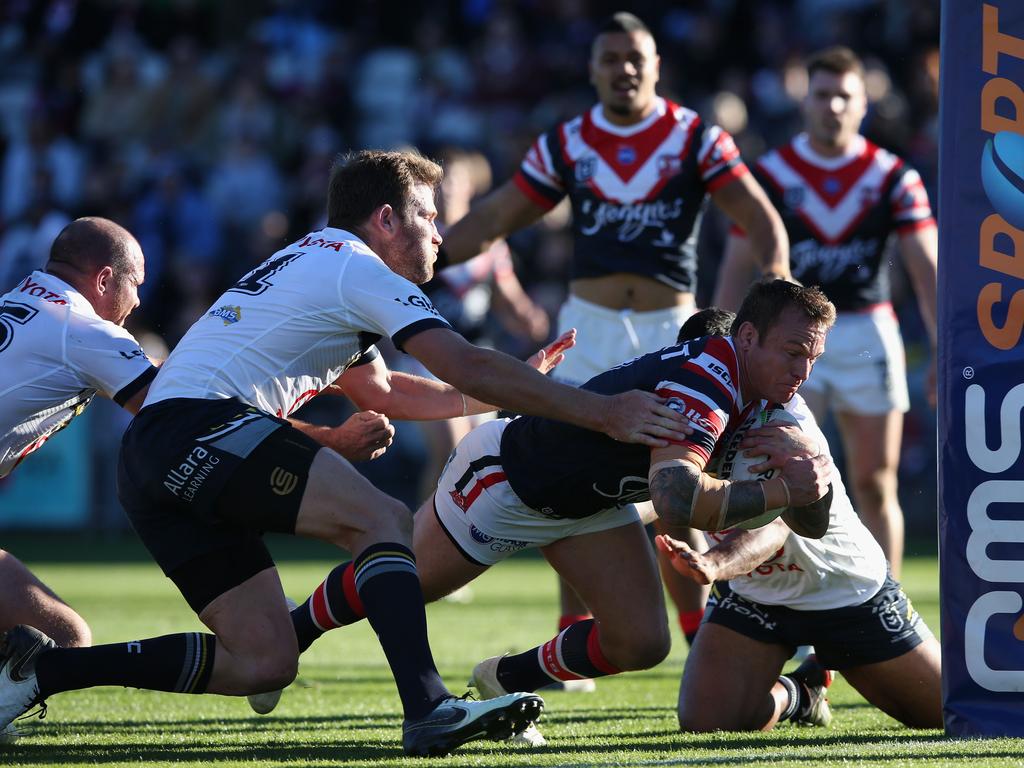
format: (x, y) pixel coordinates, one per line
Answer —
(61, 343)
(842, 200)
(775, 590)
(211, 462)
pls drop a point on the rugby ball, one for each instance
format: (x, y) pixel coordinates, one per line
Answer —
(735, 466)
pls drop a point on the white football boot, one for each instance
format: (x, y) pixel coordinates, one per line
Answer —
(455, 721)
(485, 680)
(19, 689)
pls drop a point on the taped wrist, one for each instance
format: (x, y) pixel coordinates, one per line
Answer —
(715, 507)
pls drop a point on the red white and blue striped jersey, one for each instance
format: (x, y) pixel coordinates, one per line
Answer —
(839, 213)
(637, 191)
(564, 471)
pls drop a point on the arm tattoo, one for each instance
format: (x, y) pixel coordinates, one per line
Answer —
(672, 490)
(682, 496)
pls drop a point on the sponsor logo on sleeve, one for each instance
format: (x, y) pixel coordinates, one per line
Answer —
(420, 302)
(228, 313)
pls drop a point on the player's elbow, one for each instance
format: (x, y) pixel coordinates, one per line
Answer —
(672, 499)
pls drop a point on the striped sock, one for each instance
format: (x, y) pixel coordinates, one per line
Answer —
(793, 689)
(568, 619)
(388, 586)
(178, 663)
(574, 653)
(335, 603)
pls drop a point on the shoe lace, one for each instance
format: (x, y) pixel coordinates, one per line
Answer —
(467, 696)
(39, 712)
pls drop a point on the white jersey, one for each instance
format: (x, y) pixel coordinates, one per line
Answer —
(293, 325)
(845, 567)
(56, 353)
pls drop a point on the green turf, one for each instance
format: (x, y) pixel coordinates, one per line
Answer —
(343, 710)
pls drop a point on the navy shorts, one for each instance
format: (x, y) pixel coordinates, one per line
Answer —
(202, 480)
(882, 628)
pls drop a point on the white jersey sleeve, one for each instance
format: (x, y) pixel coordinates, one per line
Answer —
(108, 358)
(377, 299)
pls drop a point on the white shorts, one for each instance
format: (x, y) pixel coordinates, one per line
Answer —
(484, 517)
(864, 369)
(608, 337)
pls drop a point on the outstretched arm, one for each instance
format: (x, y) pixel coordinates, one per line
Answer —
(493, 377)
(740, 552)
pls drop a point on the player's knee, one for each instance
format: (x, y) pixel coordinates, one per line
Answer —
(78, 634)
(642, 650)
(875, 489)
(692, 720)
(392, 521)
(272, 671)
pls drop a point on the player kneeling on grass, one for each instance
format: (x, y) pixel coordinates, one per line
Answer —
(569, 491)
(774, 590)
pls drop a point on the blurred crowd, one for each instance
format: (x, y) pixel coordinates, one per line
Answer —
(208, 128)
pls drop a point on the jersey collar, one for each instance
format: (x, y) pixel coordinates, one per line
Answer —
(599, 120)
(802, 147)
(75, 300)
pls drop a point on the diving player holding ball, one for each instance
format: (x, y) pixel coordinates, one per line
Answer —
(774, 590)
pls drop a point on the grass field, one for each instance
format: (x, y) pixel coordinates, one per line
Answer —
(343, 709)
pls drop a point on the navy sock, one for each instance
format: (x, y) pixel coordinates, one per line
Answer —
(573, 653)
(179, 663)
(389, 587)
(335, 603)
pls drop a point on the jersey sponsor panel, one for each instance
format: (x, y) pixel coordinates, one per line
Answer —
(56, 353)
(636, 191)
(840, 212)
(294, 324)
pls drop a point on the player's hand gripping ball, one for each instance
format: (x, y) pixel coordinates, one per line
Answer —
(735, 466)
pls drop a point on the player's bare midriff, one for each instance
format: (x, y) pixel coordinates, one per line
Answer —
(622, 290)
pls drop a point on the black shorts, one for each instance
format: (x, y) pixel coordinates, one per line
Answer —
(882, 628)
(202, 480)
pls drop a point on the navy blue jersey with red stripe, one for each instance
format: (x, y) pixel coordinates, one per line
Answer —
(839, 213)
(637, 191)
(565, 471)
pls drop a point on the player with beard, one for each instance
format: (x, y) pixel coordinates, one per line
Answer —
(843, 199)
(211, 462)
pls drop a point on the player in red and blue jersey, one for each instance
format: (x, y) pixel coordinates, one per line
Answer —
(843, 199)
(637, 169)
(539, 482)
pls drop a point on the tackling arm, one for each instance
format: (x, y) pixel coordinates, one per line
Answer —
(636, 417)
